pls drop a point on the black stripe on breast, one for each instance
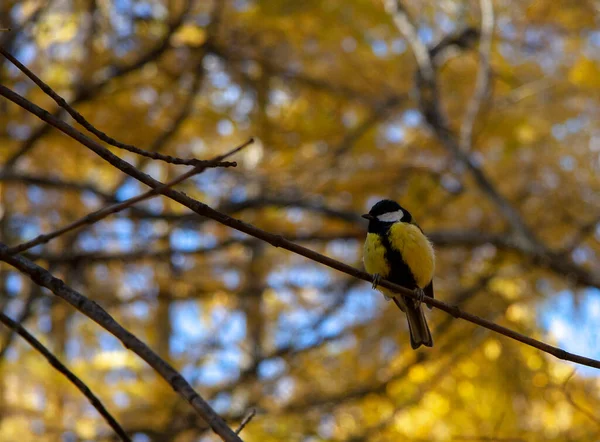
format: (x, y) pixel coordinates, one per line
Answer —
(399, 271)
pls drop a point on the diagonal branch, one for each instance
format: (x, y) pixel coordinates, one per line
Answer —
(61, 368)
(482, 83)
(101, 317)
(438, 121)
(246, 421)
(278, 240)
(114, 208)
(35, 292)
(87, 92)
(101, 135)
(420, 51)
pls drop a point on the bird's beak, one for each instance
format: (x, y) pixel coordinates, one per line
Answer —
(369, 217)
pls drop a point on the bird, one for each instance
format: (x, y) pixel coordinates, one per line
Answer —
(397, 249)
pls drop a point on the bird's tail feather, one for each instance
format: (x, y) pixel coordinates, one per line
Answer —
(417, 325)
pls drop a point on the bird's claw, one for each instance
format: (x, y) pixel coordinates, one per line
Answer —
(420, 297)
(376, 280)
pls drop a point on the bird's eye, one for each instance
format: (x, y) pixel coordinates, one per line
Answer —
(391, 217)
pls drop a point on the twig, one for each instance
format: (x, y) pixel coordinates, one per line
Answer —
(584, 230)
(437, 120)
(463, 39)
(61, 368)
(144, 253)
(246, 421)
(114, 208)
(25, 312)
(178, 118)
(38, 180)
(101, 135)
(277, 240)
(420, 51)
(482, 84)
(85, 92)
(101, 317)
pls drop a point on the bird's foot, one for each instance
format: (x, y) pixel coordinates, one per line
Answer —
(376, 280)
(420, 296)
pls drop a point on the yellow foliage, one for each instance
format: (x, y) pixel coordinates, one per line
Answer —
(417, 374)
(328, 90)
(115, 360)
(585, 73)
(189, 35)
(518, 312)
(492, 349)
(509, 288)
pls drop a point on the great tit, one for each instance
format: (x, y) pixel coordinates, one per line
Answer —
(397, 249)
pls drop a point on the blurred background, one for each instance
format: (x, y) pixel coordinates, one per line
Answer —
(329, 91)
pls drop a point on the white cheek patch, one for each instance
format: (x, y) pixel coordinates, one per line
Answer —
(391, 217)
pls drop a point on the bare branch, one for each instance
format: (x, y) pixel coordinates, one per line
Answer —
(420, 51)
(246, 421)
(25, 312)
(134, 255)
(61, 368)
(437, 120)
(101, 317)
(35, 180)
(114, 208)
(584, 230)
(87, 92)
(277, 240)
(101, 135)
(482, 84)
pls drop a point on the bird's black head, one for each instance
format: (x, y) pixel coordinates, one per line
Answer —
(385, 213)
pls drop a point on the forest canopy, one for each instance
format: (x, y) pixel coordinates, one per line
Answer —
(480, 117)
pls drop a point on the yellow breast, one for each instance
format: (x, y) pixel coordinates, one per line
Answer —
(416, 250)
(374, 256)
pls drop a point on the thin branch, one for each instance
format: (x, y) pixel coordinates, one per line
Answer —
(86, 92)
(101, 135)
(554, 262)
(186, 108)
(420, 51)
(9, 38)
(246, 421)
(438, 121)
(584, 230)
(35, 180)
(278, 240)
(461, 40)
(311, 205)
(101, 317)
(114, 208)
(61, 368)
(25, 312)
(482, 84)
(166, 253)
